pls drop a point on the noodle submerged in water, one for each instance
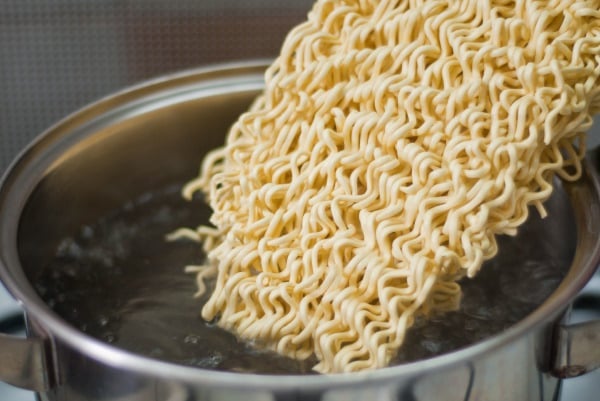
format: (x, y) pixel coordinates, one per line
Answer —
(393, 141)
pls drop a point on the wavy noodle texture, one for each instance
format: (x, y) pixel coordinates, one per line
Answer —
(393, 141)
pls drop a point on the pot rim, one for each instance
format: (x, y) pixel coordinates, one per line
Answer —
(55, 326)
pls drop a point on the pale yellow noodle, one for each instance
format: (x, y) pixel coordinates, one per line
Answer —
(393, 141)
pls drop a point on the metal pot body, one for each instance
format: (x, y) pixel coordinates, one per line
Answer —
(99, 158)
(517, 371)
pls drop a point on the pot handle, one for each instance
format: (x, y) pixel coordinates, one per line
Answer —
(578, 349)
(23, 363)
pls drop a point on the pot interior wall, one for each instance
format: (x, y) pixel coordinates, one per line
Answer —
(119, 162)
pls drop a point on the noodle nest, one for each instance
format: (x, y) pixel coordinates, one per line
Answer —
(393, 141)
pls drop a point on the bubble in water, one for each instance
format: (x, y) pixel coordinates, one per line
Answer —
(164, 215)
(145, 198)
(109, 337)
(191, 339)
(103, 321)
(128, 206)
(87, 232)
(211, 361)
(157, 352)
(431, 346)
(41, 289)
(69, 248)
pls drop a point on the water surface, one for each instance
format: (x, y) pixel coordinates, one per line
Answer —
(119, 281)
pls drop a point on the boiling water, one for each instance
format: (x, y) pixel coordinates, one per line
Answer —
(119, 281)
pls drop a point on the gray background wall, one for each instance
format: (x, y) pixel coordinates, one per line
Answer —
(58, 55)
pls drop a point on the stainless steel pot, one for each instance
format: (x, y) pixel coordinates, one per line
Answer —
(128, 143)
